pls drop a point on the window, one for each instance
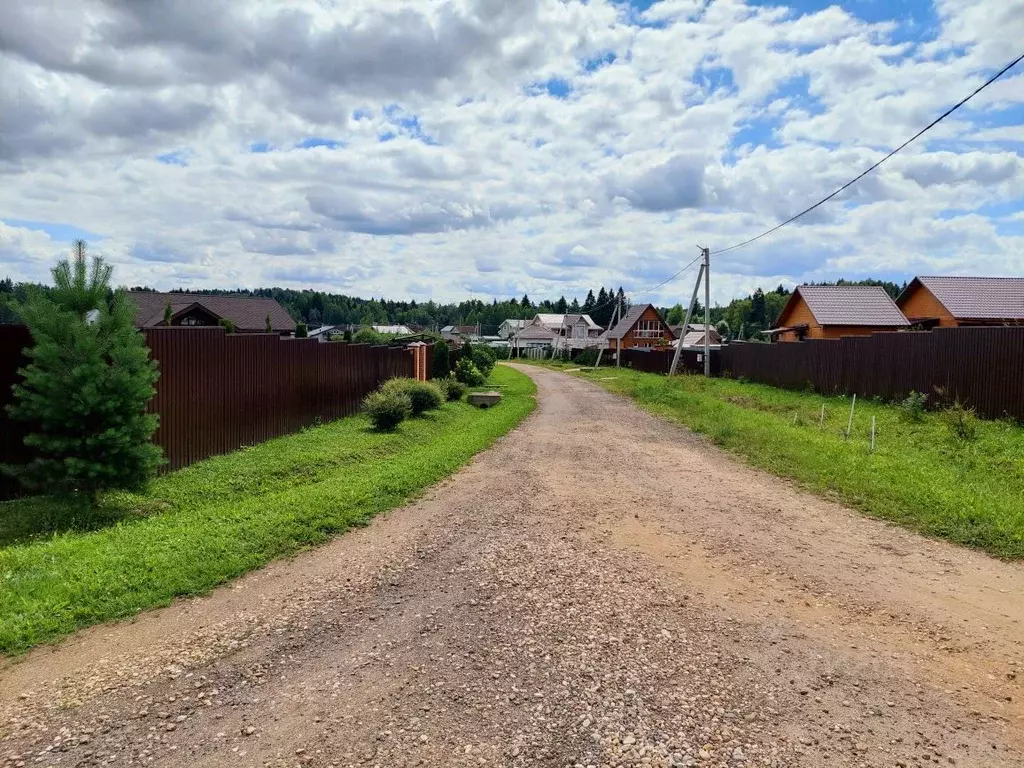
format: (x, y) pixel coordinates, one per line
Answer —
(648, 329)
(192, 320)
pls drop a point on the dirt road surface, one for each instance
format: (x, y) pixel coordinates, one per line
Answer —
(601, 588)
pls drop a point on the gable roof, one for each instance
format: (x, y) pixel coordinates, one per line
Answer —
(576, 319)
(630, 319)
(696, 339)
(512, 322)
(866, 305)
(248, 313)
(975, 298)
(536, 331)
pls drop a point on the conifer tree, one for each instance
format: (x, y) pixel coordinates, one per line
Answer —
(85, 390)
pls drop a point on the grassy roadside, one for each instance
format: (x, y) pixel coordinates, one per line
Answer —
(921, 474)
(201, 526)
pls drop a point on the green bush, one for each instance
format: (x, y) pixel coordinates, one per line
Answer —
(587, 358)
(227, 325)
(468, 373)
(423, 395)
(440, 363)
(962, 422)
(912, 407)
(387, 408)
(484, 359)
(85, 389)
(453, 388)
(369, 336)
(301, 331)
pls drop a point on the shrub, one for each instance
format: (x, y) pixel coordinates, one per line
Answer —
(453, 388)
(369, 336)
(912, 407)
(346, 336)
(440, 363)
(227, 325)
(85, 343)
(301, 331)
(484, 359)
(468, 373)
(387, 409)
(962, 422)
(587, 358)
(423, 395)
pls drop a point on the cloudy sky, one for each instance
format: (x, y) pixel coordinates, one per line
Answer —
(448, 148)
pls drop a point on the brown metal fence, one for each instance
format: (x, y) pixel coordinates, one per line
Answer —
(218, 391)
(660, 360)
(982, 367)
(13, 339)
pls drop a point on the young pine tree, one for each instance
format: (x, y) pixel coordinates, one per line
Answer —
(85, 389)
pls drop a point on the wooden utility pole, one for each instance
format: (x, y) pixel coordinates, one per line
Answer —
(611, 324)
(689, 314)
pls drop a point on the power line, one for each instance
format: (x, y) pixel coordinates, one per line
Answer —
(857, 178)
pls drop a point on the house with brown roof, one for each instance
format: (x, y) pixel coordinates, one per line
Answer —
(247, 313)
(832, 311)
(949, 302)
(457, 334)
(642, 327)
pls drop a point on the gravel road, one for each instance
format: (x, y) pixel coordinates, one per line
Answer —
(601, 588)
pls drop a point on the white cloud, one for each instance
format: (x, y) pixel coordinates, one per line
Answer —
(646, 133)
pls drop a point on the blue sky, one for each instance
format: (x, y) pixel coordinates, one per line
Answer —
(538, 148)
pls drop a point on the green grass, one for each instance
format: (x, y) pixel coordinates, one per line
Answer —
(920, 475)
(201, 526)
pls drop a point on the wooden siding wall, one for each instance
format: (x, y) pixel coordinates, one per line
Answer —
(982, 367)
(920, 302)
(218, 392)
(630, 339)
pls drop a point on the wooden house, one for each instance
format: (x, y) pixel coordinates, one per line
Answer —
(949, 302)
(832, 311)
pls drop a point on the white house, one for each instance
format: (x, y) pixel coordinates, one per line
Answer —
(569, 331)
(398, 330)
(510, 327)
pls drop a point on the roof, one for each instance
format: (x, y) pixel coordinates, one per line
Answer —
(459, 329)
(248, 313)
(574, 319)
(402, 330)
(535, 332)
(630, 319)
(515, 323)
(691, 327)
(975, 298)
(867, 305)
(696, 339)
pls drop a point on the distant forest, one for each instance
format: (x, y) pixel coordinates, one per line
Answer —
(744, 318)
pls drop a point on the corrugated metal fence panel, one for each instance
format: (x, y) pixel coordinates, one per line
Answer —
(660, 360)
(218, 392)
(982, 367)
(13, 339)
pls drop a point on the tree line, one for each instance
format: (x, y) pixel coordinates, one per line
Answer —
(742, 318)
